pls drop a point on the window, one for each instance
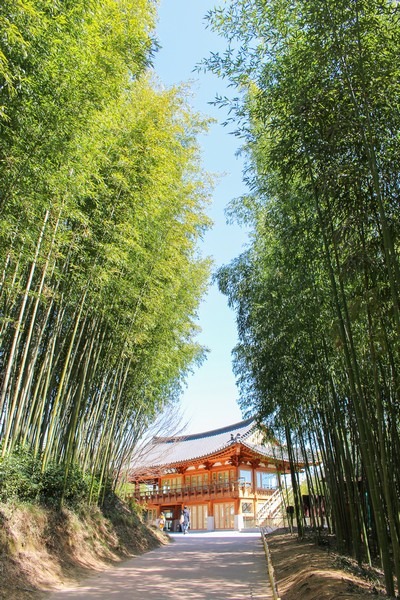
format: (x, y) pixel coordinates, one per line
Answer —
(147, 488)
(171, 483)
(197, 481)
(266, 481)
(245, 476)
(223, 476)
(151, 515)
(247, 507)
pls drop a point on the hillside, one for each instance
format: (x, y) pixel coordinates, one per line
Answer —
(305, 571)
(43, 549)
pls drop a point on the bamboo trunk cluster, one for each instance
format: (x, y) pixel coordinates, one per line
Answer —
(102, 199)
(317, 293)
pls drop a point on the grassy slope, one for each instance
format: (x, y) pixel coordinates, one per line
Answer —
(43, 549)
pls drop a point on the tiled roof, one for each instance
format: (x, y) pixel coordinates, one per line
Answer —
(175, 450)
(270, 450)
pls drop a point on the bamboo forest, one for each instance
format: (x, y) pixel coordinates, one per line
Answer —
(317, 293)
(103, 206)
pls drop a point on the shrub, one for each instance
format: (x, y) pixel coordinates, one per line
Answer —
(20, 476)
(72, 487)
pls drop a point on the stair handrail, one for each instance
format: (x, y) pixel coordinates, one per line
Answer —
(271, 504)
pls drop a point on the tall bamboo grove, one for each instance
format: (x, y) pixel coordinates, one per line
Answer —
(317, 293)
(102, 202)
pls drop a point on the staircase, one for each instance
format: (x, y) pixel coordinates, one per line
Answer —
(273, 512)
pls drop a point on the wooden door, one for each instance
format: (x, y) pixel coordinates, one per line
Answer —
(224, 513)
(198, 516)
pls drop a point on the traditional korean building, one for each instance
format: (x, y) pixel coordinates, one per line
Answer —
(227, 477)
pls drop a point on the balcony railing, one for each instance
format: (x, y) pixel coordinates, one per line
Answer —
(232, 489)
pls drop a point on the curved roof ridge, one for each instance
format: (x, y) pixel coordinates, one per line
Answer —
(210, 433)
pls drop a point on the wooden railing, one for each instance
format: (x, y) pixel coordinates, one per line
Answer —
(232, 489)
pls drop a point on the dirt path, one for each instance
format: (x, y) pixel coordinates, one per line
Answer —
(217, 566)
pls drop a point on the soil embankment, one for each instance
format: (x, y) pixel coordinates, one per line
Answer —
(304, 571)
(44, 549)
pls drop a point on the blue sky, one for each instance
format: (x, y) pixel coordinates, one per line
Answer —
(210, 400)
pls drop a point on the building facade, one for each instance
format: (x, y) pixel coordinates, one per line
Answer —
(227, 477)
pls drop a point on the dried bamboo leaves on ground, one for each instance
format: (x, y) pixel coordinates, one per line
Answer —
(305, 571)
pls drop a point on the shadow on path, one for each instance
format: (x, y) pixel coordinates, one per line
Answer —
(199, 565)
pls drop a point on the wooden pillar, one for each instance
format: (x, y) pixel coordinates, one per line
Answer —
(210, 503)
(254, 465)
(237, 506)
(235, 461)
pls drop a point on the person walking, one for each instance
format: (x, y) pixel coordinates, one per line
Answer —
(186, 519)
(161, 521)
